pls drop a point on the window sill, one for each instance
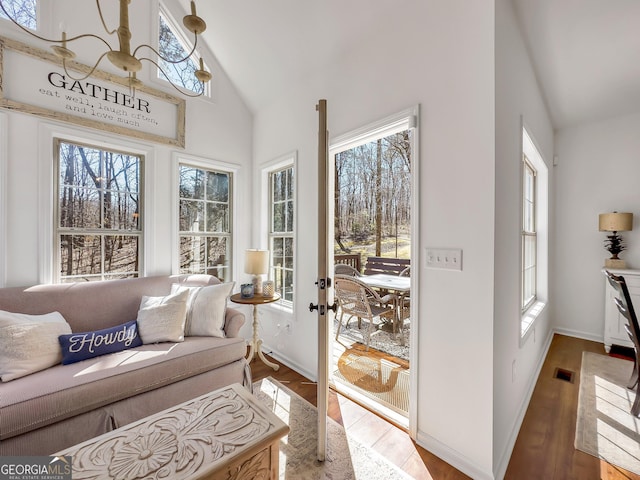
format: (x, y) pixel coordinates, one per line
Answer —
(528, 320)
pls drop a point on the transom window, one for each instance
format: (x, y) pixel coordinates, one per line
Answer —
(23, 11)
(174, 46)
(99, 224)
(281, 230)
(205, 225)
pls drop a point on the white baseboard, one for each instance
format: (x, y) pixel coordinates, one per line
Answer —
(579, 334)
(452, 457)
(290, 363)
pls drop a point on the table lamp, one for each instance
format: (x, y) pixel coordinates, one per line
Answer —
(615, 222)
(256, 263)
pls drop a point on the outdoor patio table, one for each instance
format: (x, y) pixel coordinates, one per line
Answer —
(399, 285)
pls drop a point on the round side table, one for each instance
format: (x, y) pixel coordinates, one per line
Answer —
(255, 347)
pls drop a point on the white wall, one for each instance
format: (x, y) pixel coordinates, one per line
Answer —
(517, 96)
(597, 172)
(443, 60)
(218, 130)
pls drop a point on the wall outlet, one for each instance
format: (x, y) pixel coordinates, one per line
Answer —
(513, 371)
(444, 258)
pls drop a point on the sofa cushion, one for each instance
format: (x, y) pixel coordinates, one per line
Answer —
(206, 308)
(161, 319)
(64, 391)
(81, 346)
(29, 343)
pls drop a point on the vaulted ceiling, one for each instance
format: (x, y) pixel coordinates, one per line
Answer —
(585, 52)
(267, 46)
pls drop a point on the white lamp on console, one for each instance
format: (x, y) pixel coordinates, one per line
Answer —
(256, 263)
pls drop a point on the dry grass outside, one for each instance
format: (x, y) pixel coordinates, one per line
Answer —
(391, 247)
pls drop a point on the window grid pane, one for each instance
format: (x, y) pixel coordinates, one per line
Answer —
(529, 239)
(282, 209)
(204, 223)
(98, 226)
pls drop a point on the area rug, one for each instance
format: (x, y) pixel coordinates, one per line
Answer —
(379, 379)
(346, 458)
(382, 339)
(604, 426)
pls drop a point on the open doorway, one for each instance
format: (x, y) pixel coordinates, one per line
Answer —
(372, 257)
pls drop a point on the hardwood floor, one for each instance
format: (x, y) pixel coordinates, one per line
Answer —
(545, 446)
(369, 429)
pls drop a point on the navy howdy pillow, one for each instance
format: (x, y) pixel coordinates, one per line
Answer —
(80, 346)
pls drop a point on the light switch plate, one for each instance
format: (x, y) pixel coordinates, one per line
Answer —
(444, 258)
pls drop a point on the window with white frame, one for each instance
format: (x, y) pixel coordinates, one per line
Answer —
(282, 230)
(22, 11)
(205, 221)
(98, 213)
(174, 46)
(529, 237)
(534, 262)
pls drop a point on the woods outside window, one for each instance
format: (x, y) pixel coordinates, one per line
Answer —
(205, 221)
(281, 231)
(98, 211)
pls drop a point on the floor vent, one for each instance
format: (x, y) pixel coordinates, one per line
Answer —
(562, 374)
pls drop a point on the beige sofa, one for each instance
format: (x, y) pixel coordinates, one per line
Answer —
(63, 405)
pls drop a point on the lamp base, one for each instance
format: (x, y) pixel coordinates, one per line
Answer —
(615, 263)
(257, 284)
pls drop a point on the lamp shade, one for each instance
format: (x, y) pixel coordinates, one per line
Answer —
(256, 262)
(615, 222)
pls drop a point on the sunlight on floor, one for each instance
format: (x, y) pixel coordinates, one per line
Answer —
(374, 400)
(614, 402)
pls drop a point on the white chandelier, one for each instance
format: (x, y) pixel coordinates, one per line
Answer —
(123, 58)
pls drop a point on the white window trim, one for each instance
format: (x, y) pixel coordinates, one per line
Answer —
(4, 153)
(283, 161)
(171, 12)
(179, 158)
(529, 317)
(47, 132)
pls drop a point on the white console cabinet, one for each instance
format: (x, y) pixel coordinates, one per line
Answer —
(614, 323)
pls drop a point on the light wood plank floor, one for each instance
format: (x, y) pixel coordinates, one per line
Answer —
(383, 437)
(544, 449)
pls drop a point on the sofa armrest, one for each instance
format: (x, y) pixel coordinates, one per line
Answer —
(233, 320)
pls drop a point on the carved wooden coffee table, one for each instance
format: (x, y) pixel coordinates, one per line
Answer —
(223, 435)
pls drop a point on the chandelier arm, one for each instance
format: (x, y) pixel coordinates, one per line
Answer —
(162, 57)
(104, 24)
(84, 35)
(182, 91)
(79, 79)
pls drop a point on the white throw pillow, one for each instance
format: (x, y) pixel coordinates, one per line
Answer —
(206, 309)
(29, 343)
(161, 319)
